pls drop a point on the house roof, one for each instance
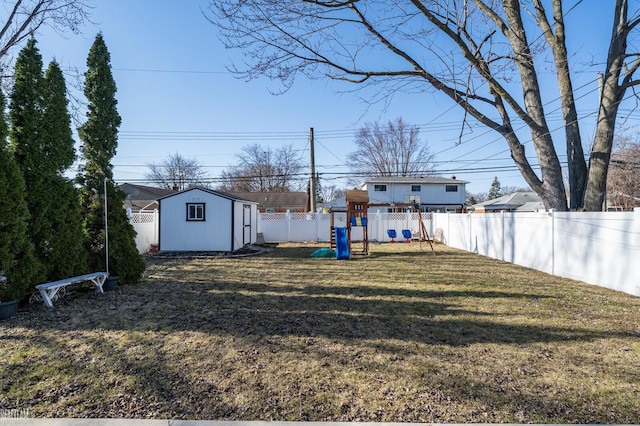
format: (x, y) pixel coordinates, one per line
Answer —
(276, 199)
(143, 196)
(519, 201)
(226, 195)
(435, 180)
(531, 206)
(339, 203)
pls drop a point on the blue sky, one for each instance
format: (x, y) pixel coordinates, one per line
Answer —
(175, 96)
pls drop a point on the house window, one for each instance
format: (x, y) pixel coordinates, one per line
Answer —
(195, 212)
(451, 188)
(380, 188)
(416, 188)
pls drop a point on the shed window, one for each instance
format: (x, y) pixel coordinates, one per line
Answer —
(195, 212)
(416, 188)
(451, 188)
(380, 188)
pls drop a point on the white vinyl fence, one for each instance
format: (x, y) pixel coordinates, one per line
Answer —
(278, 227)
(146, 225)
(597, 248)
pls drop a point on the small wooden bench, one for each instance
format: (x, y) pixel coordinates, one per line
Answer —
(48, 290)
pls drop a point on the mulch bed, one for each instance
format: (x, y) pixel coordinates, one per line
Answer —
(250, 250)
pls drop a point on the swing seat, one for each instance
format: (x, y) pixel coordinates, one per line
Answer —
(392, 234)
(406, 233)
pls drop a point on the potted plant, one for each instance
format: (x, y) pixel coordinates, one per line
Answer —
(111, 283)
(8, 304)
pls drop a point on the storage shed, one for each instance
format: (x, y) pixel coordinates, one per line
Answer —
(200, 219)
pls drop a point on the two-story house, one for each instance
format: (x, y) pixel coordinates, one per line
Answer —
(388, 193)
(430, 193)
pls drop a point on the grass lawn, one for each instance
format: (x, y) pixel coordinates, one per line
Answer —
(400, 335)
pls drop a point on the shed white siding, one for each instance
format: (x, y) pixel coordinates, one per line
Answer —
(223, 228)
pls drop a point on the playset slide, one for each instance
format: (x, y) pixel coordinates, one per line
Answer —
(342, 245)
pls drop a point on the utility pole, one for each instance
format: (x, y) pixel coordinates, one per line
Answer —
(312, 162)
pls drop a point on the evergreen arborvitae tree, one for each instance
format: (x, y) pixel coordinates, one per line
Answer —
(42, 140)
(56, 122)
(318, 187)
(27, 143)
(496, 190)
(99, 135)
(66, 255)
(17, 261)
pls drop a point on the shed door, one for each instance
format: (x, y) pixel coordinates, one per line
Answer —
(246, 225)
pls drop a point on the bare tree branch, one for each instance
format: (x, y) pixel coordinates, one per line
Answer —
(25, 17)
(261, 169)
(392, 149)
(484, 55)
(177, 173)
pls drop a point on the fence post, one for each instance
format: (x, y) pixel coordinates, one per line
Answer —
(407, 218)
(317, 216)
(259, 224)
(503, 215)
(156, 226)
(288, 219)
(635, 270)
(471, 249)
(553, 242)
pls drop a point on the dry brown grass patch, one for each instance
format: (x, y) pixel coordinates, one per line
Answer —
(400, 335)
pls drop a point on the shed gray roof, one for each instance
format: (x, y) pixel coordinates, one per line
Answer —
(226, 195)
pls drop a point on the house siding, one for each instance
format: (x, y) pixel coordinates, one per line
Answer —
(430, 194)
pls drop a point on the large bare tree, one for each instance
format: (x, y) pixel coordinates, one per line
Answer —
(21, 19)
(177, 173)
(475, 52)
(393, 149)
(262, 169)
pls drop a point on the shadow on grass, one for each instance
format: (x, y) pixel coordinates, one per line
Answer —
(138, 339)
(248, 309)
(112, 382)
(371, 291)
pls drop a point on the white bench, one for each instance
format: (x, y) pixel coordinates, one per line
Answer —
(48, 290)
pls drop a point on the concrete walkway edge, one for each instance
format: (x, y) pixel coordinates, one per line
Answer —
(140, 422)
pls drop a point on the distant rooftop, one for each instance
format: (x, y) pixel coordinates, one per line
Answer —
(517, 201)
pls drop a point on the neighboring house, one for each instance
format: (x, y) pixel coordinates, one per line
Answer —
(200, 219)
(142, 197)
(339, 203)
(516, 202)
(276, 202)
(620, 202)
(430, 193)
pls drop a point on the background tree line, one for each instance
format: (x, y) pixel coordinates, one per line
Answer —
(382, 149)
(390, 149)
